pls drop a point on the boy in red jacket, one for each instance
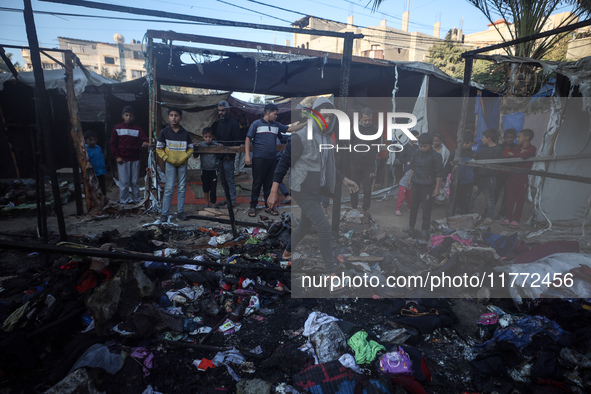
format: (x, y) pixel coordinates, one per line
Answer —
(126, 139)
(517, 182)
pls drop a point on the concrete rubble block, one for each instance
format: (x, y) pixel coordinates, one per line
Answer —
(120, 295)
(253, 386)
(104, 301)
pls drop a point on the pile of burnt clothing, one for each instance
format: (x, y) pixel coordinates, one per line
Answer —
(545, 349)
(348, 358)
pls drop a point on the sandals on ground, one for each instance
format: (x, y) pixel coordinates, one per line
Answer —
(252, 212)
(271, 212)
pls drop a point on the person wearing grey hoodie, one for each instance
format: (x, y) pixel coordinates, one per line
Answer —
(313, 173)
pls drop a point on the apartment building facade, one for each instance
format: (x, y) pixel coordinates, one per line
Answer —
(117, 59)
(379, 42)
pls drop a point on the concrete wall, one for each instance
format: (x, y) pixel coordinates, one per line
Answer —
(578, 49)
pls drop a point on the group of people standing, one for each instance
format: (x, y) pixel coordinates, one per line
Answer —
(428, 164)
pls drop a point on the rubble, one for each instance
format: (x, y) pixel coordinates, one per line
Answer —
(202, 310)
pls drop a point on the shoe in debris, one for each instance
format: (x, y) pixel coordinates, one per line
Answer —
(408, 229)
(181, 216)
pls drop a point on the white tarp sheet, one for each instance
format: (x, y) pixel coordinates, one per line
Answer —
(56, 79)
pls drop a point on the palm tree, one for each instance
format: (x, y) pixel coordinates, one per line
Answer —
(4, 68)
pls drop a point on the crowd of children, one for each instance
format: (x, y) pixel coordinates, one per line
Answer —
(427, 162)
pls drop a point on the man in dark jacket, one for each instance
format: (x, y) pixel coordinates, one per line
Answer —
(226, 131)
(363, 164)
(426, 171)
(313, 174)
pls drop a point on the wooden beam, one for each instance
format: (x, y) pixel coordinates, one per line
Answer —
(54, 59)
(152, 117)
(565, 177)
(95, 199)
(343, 105)
(44, 116)
(532, 159)
(460, 138)
(8, 63)
(173, 36)
(228, 149)
(226, 188)
(9, 141)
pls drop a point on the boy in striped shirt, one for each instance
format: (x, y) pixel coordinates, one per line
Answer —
(174, 146)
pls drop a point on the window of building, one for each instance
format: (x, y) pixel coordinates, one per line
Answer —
(376, 52)
(137, 73)
(109, 60)
(47, 66)
(138, 55)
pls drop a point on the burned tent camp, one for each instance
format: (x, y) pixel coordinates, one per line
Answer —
(194, 306)
(100, 100)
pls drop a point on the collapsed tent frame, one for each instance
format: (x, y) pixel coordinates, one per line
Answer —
(469, 57)
(154, 87)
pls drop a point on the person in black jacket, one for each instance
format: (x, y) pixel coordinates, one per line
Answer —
(426, 171)
(363, 164)
(313, 174)
(226, 131)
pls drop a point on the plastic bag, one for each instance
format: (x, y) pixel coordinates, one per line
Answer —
(396, 363)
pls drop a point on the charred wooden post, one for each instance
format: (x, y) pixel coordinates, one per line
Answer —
(153, 115)
(76, 180)
(43, 111)
(8, 63)
(10, 145)
(95, 200)
(460, 138)
(226, 188)
(343, 104)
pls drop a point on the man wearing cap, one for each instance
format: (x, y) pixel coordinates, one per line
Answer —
(426, 172)
(226, 131)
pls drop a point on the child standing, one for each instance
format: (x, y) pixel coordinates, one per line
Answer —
(487, 179)
(517, 183)
(507, 147)
(96, 157)
(209, 177)
(125, 146)
(426, 171)
(174, 147)
(404, 191)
